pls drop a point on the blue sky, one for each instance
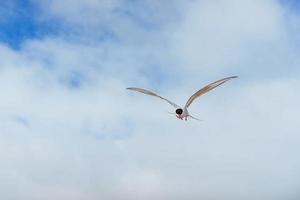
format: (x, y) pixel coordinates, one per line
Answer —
(70, 130)
(22, 23)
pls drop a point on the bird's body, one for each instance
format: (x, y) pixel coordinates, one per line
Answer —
(182, 112)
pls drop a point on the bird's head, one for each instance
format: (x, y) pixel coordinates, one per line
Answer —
(179, 111)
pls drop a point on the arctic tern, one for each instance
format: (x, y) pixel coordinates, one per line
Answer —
(182, 112)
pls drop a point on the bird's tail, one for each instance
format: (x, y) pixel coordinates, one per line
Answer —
(194, 118)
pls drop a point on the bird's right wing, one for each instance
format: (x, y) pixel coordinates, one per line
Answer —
(206, 89)
(152, 94)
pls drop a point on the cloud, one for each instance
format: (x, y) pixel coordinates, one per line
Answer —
(70, 130)
(238, 37)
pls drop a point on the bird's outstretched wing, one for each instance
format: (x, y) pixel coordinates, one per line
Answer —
(152, 94)
(206, 89)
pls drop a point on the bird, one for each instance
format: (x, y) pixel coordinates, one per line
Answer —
(182, 112)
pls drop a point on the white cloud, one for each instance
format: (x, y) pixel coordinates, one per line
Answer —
(95, 140)
(215, 32)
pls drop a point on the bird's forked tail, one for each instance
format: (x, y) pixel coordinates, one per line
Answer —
(194, 118)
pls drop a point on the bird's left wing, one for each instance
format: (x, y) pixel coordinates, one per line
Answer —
(152, 94)
(206, 89)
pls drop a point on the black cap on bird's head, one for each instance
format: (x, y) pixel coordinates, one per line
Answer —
(179, 111)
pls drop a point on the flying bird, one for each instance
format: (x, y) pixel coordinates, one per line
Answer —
(182, 112)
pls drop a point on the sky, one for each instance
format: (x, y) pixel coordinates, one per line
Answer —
(70, 130)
